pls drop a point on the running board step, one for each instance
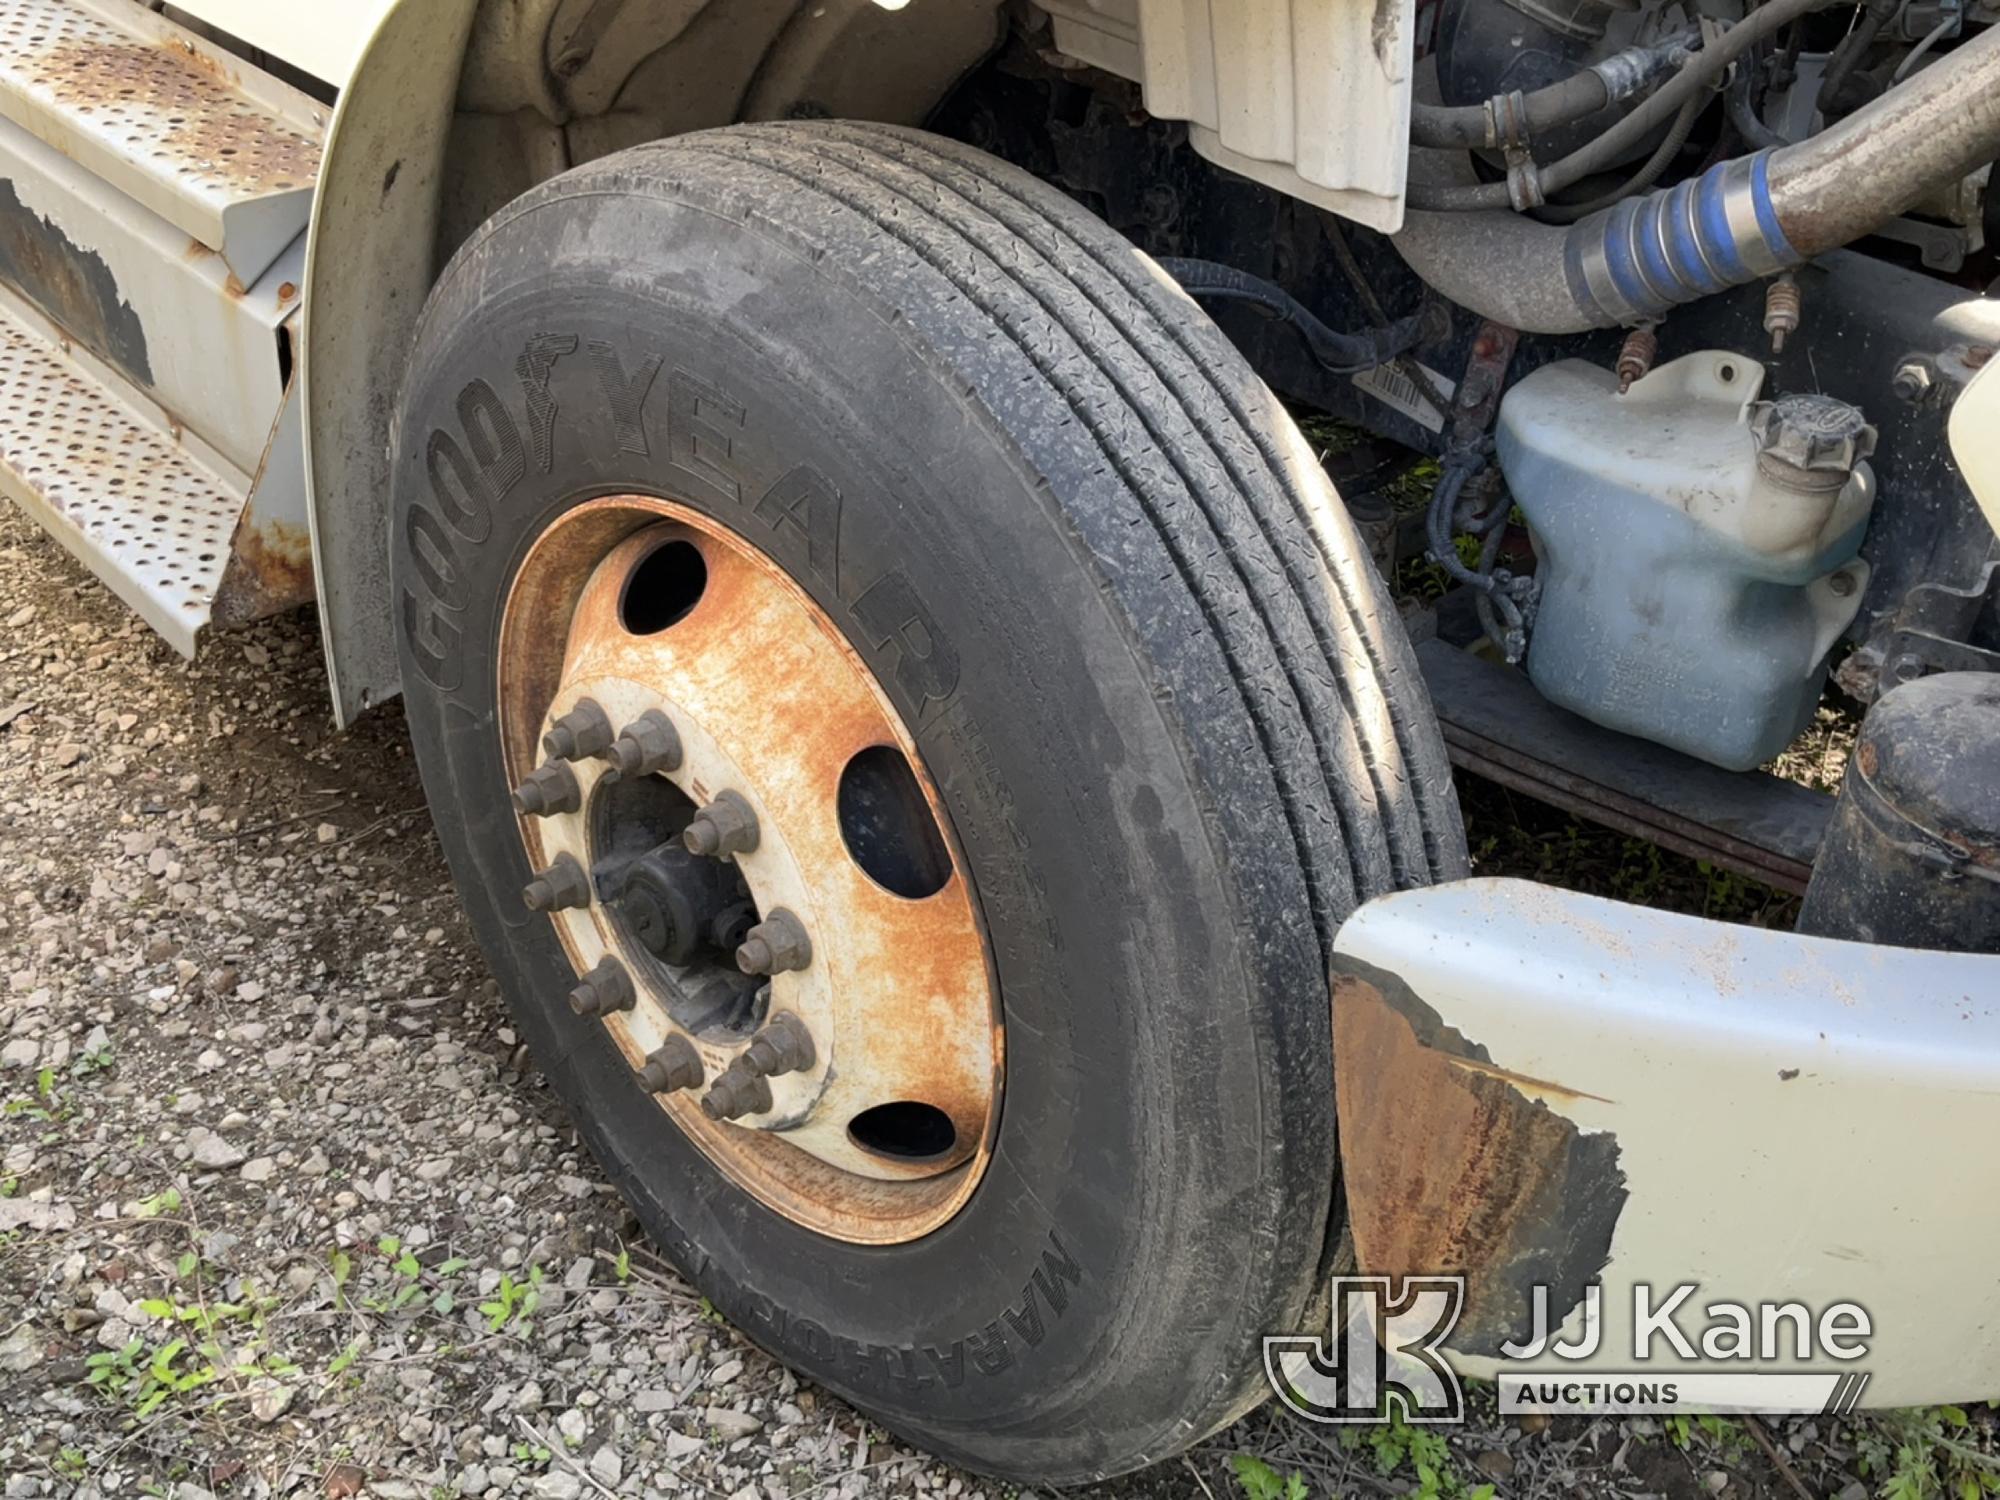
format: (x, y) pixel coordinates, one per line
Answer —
(115, 486)
(223, 152)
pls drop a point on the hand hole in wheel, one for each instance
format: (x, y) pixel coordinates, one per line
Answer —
(904, 1130)
(888, 827)
(663, 589)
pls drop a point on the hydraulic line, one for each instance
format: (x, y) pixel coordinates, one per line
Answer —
(1335, 352)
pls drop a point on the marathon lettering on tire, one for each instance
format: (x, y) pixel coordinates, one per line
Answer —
(992, 1349)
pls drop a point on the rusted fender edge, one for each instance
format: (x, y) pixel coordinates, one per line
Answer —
(270, 564)
(1455, 1166)
(1540, 1086)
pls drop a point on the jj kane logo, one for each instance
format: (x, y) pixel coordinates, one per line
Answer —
(1384, 1356)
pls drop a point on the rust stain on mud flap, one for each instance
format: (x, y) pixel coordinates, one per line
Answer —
(269, 570)
(1454, 1166)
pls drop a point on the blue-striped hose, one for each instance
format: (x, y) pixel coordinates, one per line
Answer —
(1634, 261)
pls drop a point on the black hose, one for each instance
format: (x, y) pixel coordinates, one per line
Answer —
(1335, 352)
(1847, 56)
(1467, 125)
(1650, 173)
(1742, 111)
(1700, 73)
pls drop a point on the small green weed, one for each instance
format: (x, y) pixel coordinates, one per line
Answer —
(1262, 1482)
(1927, 1453)
(1723, 1433)
(146, 1378)
(166, 1202)
(343, 1359)
(43, 1105)
(207, 1317)
(513, 1302)
(1394, 1444)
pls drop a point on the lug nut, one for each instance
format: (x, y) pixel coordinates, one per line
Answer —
(784, 1046)
(738, 1092)
(561, 886)
(776, 945)
(552, 788)
(605, 989)
(674, 1065)
(726, 826)
(579, 734)
(649, 744)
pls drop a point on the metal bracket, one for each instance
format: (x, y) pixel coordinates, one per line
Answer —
(1930, 631)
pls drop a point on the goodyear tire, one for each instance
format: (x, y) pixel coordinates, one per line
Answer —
(1178, 732)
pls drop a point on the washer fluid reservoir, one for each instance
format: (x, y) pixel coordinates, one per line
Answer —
(1697, 548)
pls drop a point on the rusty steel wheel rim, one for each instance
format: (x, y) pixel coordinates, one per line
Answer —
(858, 1094)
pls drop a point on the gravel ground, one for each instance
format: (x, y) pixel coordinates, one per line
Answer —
(285, 1208)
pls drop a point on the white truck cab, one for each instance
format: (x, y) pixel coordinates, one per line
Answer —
(879, 650)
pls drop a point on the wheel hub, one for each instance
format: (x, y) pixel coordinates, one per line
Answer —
(736, 843)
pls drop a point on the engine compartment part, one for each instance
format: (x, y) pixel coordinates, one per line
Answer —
(1742, 219)
(1976, 415)
(1313, 100)
(1913, 855)
(1698, 547)
(1337, 353)
(1529, 184)
(1487, 42)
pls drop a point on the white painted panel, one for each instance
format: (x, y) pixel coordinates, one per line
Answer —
(1310, 97)
(1793, 1115)
(211, 345)
(321, 37)
(1975, 439)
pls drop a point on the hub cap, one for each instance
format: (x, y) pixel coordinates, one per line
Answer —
(773, 921)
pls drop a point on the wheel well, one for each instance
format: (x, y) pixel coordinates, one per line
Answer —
(556, 83)
(425, 149)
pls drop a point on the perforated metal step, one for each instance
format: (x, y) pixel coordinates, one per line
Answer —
(121, 494)
(222, 151)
